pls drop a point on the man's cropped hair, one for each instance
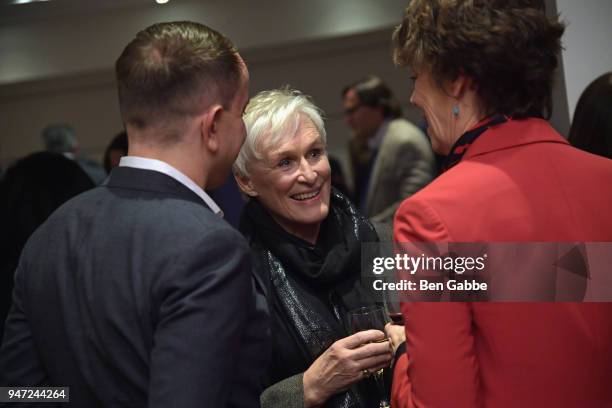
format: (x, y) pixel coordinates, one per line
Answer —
(171, 69)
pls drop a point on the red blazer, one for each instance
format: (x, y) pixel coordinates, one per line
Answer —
(519, 181)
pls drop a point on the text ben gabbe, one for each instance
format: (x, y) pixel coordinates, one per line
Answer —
(412, 264)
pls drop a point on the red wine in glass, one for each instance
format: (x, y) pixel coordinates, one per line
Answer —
(397, 318)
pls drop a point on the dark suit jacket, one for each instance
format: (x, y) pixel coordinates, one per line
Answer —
(136, 294)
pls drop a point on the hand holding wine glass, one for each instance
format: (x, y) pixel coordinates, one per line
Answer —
(344, 363)
(374, 317)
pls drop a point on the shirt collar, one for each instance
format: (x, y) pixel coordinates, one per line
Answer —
(163, 167)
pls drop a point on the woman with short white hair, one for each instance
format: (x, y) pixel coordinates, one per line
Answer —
(306, 241)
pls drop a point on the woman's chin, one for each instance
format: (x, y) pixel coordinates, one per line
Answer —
(312, 215)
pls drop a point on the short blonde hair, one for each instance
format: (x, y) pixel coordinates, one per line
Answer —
(272, 117)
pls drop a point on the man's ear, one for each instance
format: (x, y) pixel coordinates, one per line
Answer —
(246, 185)
(210, 128)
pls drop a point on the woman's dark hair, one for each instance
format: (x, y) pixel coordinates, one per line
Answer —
(372, 91)
(592, 124)
(508, 48)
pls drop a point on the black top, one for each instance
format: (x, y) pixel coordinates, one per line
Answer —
(311, 288)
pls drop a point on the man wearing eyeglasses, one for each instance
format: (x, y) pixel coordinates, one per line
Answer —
(391, 158)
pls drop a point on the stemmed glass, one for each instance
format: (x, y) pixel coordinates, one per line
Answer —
(392, 304)
(366, 318)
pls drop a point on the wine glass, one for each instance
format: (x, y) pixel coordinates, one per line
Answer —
(366, 318)
(392, 305)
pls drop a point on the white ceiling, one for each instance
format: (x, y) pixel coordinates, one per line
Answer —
(66, 37)
(11, 13)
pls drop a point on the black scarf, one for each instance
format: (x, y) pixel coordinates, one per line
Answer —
(466, 140)
(315, 285)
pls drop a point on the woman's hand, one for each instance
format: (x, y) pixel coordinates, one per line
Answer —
(396, 334)
(345, 362)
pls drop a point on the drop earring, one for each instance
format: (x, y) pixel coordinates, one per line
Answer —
(456, 110)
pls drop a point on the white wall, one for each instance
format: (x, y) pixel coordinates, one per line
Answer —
(38, 47)
(320, 68)
(58, 68)
(56, 62)
(588, 44)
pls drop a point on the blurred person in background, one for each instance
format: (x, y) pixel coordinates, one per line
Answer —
(305, 238)
(337, 176)
(483, 73)
(391, 158)
(230, 200)
(61, 138)
(117, 148)
(32, 189)
(591, 128)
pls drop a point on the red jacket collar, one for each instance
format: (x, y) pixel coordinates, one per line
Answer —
(515, 132)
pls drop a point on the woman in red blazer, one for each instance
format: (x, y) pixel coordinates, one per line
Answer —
(483, 73)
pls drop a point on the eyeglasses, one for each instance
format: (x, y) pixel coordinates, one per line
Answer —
(351, 110)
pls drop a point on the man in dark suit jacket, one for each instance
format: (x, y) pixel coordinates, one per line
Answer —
(137, 293)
